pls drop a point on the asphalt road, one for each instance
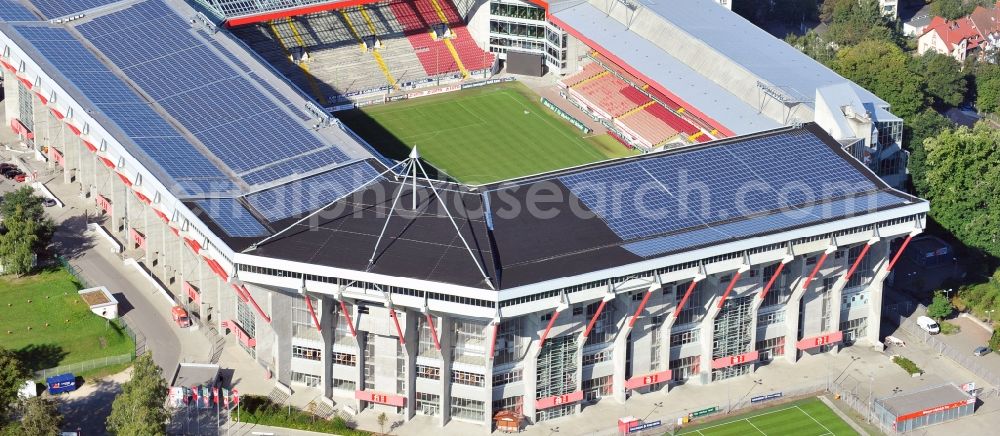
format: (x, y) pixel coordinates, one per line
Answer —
(139, 306)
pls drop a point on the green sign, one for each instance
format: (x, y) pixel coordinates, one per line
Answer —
(704, 412)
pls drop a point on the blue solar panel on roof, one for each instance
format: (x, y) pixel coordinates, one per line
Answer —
(686, 189)
(11, 10)
(212, 99)
(232, 217)
(298, 165)
(311, 193)
(764, 224)
(154, 137)
(61, 8)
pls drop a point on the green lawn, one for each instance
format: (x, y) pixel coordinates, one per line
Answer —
(481, 135)
(802, 418)
(73, 334)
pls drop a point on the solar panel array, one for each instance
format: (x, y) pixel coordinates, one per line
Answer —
(11, 10)
(765, 224)
(234, 219)
(157, 139)
(216, 102)
(698, 187)
(61, 8)
(311, 193)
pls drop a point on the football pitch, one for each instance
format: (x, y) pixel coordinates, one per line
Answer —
(481, 135)
(804, 418)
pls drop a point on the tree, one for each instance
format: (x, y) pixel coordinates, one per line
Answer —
(995, 340)
(12, 377)
(951, 9)
(382, 421)
(39, 416)
(940, 307)
(814, 46)
(140, 409)
(963, 183)
(882, 68)
(31, 205)
(988, 88)
(943, 77)
(855, 21)
(17, 244)
(918, 128)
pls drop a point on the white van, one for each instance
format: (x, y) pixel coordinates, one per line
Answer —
(929, 325)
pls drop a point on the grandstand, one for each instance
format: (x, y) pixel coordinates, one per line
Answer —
(639, 116)
(355, 51)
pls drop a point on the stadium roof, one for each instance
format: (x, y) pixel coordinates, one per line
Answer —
(643, 44)
(595, 217)
(191, 104)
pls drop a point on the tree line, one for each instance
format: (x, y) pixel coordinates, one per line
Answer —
(138, 410)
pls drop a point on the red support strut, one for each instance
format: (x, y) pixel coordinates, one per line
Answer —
(312, 312)
(246, 293)
(899, 253)
(395, 320)
(434, 333)
(819, 264)
(639, 309)
(493, 341)
(347, 316)
(590, 326)
(687, 294)
(729, 288)
(555, 316)
(774, 278)
(854, 266)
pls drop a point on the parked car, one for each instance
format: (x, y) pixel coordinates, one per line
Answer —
(10, 172)
(5, 165)
(48, 202)
(929, 325)
(20, 178)
(981, 351)
(180, 316)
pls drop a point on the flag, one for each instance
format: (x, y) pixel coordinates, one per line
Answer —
(225, 398)
(205, 395)
(194, 395)
(215, 394)
(236, 397)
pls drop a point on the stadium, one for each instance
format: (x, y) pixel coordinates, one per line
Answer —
(453, 209)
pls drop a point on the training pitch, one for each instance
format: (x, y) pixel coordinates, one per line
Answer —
(804, 418)
(481, 135)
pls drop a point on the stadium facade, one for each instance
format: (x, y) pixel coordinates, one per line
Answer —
(341, 271)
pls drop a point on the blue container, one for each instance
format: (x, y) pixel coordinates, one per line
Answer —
(61, 383)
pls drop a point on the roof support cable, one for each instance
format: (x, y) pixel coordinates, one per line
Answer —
(385, 225)
(373, 179)
(486, 277)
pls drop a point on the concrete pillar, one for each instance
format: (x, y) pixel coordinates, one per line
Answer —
(875, 291)
(446, 330)
(792, 308)
(487, 396)
(411, 338)
(11, 98)
(619, 351)
(530, 378)
(710, 288)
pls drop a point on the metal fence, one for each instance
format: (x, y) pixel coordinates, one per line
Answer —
(860, 400)
(84, 366)
(961, 357)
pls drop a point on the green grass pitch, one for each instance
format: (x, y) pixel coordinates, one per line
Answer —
(481, 135)
(73, 334)
(803, 418)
